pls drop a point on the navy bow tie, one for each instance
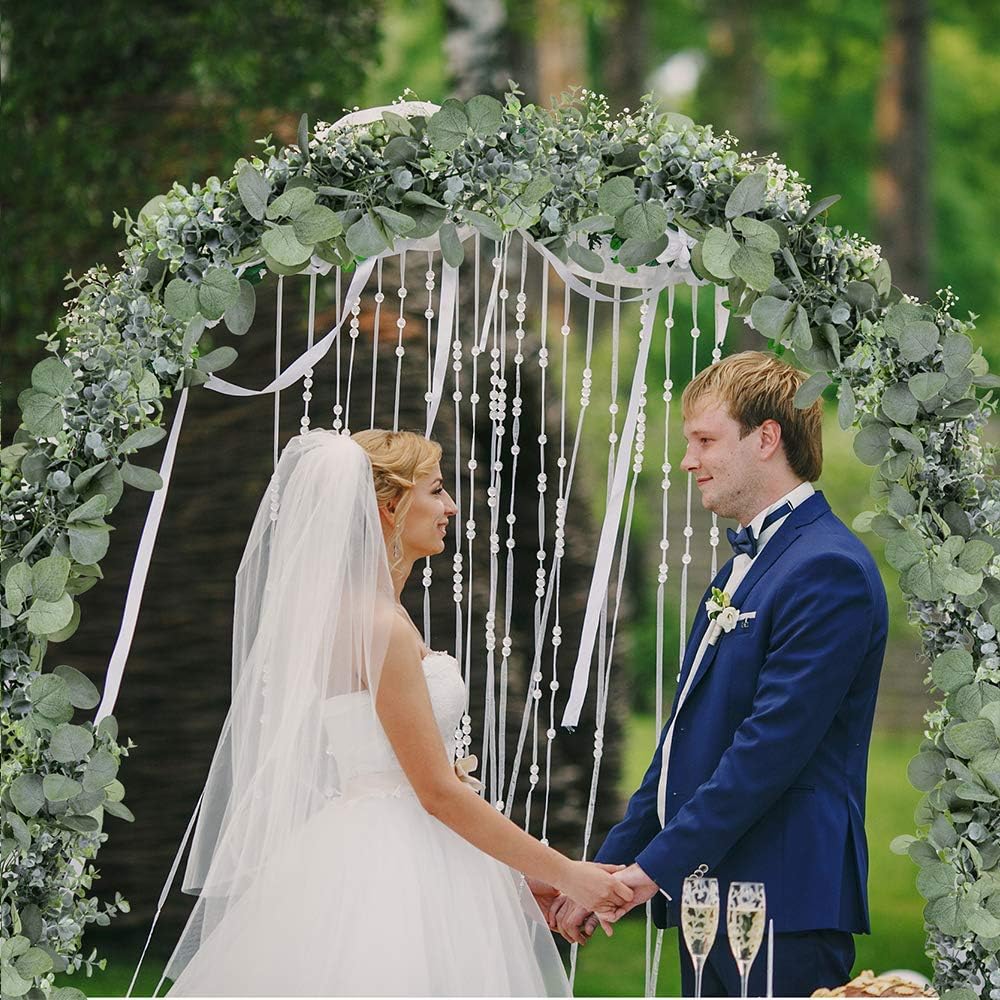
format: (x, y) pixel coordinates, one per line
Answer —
(744, 541)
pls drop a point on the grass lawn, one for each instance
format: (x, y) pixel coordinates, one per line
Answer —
(615, 966)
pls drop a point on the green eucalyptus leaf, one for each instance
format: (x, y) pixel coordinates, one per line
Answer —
(585, 257)
(956, 349)
(801, 332)
(958, 581)
(901, 844)
(318, 224)
(957, 411)
(901, 501)
(102, 478)
(59, 788)
(967, 739)
(917, 340)
(926, 385)
(645, 221)
(451, 246)
(395, 222)
(26, 794)
(717, 251)
(769, 315)
(755, 267)
(811, 390)
(367, 237)
(862, 296)
(757, 234)
(871, 444)
(254, 190)
(140, 477)
(820, 207)
(936, 880)
(615, 196)
(953, 669)
(926, 770)
(540, 185)
(88, 543)
(448, 127)
(903, 550)
(239, 315)
(747, 196)
(143, 438)
(45, 617)
(50, 698)
(81, 690)
(975, 556)
(180, 299)
(14, 984)
(17, 586)
(899, 404)
(52, 377)
(101, 770)
(120, 810)
(283, 245)
(486, 225)
(970, 700)
(908, 440)
(485, 115)
(42, 414)
(218, 290)
(291, 203)
(636, 252)
(70, 743)
(846, 406)
(81, 824)
(49, 576)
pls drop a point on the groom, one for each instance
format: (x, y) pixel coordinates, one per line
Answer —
(760, 772)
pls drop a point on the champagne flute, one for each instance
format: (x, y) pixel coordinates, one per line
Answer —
(699, 921)
(745, 926)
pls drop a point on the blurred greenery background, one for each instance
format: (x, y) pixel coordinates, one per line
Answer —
(891, 103)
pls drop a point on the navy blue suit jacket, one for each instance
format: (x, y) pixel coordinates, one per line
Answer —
(770, 749)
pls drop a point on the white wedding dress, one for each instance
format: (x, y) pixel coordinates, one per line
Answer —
(376, 897)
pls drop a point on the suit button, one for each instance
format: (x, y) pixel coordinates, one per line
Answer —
(674, 794)
(681, 730)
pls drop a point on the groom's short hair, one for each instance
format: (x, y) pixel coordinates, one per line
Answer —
(756, 387)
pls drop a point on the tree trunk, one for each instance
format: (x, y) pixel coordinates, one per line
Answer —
(559, 48)
(626, 60)
(900, 183)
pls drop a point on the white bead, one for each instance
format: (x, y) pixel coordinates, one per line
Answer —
(550, 734)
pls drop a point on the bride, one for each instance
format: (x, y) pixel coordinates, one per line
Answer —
(340, 850)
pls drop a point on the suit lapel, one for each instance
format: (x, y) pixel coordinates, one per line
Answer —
(807, 512)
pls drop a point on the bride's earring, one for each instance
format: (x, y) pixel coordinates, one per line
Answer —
(397, 549)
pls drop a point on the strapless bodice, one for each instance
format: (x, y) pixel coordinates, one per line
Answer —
(356, 740)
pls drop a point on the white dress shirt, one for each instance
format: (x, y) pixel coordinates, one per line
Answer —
(741, 566)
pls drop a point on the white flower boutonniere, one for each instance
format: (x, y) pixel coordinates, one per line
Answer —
(722, 616)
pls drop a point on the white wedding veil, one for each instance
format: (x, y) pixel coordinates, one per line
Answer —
(314, 600)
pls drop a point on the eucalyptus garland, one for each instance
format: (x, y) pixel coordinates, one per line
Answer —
(590, 187)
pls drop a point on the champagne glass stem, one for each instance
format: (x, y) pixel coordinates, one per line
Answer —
(699, 965)
(744, 978)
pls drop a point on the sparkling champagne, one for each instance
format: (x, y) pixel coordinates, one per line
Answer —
(745, 926)
(699, 922)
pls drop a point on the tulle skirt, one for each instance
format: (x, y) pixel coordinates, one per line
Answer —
(378, 898)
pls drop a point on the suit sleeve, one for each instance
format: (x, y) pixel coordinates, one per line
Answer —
(820, 638)
(641, 822)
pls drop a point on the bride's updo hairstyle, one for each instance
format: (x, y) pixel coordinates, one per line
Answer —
(399, 460)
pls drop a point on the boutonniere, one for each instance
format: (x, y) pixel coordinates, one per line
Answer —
(722, 616)
(463, 767)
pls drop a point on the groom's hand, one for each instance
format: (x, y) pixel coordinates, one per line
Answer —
(643, 889)
(545, 896)
(571, 920)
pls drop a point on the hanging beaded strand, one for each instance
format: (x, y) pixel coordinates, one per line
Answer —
(376, 329)
(355, 328)
(307, 381)
(428, 572)
(400, 327)
(338, 409)
(688, 530)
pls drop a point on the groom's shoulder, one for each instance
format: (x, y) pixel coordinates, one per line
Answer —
(828, 541)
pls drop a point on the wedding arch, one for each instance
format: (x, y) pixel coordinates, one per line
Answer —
(531, 211)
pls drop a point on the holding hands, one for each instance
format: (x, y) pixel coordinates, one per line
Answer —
(576, 920)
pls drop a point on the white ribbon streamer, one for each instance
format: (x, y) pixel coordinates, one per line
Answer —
(609, 530)
(137, 583)
(308, 359)
(446, 322)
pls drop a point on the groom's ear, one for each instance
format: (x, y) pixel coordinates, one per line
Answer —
(770, 439)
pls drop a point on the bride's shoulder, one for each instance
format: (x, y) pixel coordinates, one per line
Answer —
(402, 644)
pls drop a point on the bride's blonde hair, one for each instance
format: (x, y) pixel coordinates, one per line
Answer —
(399, 460)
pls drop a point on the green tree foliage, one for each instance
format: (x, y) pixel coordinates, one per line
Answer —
(105, 107)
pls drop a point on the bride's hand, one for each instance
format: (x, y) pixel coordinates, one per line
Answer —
(593, 887)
